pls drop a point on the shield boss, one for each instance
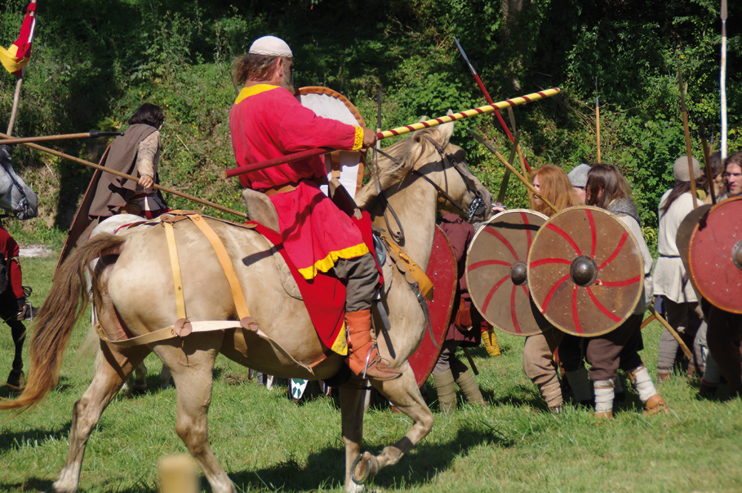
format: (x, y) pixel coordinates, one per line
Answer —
(585, 271)
(496, 271)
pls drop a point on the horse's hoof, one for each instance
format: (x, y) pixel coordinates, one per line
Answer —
(364, 466)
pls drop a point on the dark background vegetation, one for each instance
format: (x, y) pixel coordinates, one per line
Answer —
(95, 61)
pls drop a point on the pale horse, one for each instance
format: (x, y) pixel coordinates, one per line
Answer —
(427, 174)
(16, 198)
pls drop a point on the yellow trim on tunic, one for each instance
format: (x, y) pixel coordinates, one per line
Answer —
(340, 346)
(328, 262)
(358, 140)
(246, 92)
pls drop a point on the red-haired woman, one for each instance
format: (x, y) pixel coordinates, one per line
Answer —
(554, 185)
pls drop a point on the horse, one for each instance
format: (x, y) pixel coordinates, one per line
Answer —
(16, 197)
(420, 175)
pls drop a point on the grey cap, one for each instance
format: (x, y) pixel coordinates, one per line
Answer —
(680, 169)
(578, 175)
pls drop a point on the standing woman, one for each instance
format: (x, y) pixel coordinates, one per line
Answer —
(538, 362)
(671, 282)
(137, 153)
(608, 189)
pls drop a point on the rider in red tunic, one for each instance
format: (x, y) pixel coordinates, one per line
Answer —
(266, 122)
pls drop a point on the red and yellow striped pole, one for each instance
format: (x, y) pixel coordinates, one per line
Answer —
(528, 98)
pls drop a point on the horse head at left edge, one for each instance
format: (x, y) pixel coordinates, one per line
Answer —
(16, 198)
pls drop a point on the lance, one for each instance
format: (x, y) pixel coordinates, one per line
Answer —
(494, 151)
(83, 135)
(707, 164)
(490, 101)
(687, 137)
(597, 117)
(723, 80)
(129, 177)
(400, 130)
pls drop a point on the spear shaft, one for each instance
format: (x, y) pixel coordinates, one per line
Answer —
(597, 117)
(45, 138)
(687, 137)
(130, 177)
(399, 130)
(490, 101)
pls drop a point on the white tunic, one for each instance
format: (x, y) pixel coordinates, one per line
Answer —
(636, 231)
(670, 279)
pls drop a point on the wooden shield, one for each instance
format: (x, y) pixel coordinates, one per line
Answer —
(685, 230)
(443, 272)
(585, 271)
(715, 255)
(346, 166)
(496, 271)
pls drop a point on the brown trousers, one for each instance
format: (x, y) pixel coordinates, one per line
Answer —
(616, 349)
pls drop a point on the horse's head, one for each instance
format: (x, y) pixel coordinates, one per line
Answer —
(428, 155)
(16, 197)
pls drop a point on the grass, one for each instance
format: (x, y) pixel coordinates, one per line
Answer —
(267, 443)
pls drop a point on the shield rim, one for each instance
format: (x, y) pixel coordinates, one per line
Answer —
(474, 239)
(641, 269)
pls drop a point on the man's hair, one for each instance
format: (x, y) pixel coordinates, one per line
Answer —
(610, 180)
(735, 158)
(148, 114)
(556, 188)
(253, 67)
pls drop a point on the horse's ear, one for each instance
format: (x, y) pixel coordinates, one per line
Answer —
(445, 131)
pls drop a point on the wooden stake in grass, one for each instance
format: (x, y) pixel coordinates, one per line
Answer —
(179, 474)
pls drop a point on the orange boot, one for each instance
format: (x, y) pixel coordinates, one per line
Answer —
(361, 348)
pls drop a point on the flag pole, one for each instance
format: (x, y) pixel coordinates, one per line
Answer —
(723, 80)
(17, 95)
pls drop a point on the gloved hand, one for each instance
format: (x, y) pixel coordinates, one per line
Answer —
(21, 308)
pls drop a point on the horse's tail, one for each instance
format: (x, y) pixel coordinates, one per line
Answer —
(60, 312)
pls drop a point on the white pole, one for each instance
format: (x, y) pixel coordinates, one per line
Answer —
(723, 81)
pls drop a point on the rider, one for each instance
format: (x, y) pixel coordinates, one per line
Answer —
(267, 122)
(13, 303)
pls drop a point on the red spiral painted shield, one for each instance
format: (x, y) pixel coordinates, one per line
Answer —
(498, 250)
(443, 272)
(585, 271)
(685, 230)
(715, 255)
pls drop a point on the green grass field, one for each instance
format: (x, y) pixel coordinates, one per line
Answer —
(267, 443)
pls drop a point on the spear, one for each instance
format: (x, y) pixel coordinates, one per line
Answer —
(687, 137)
(494, 151)
(399, 130)
(490, 101)
(597, 117)
(92, 134)
(707, 164)
(723, 80)
(129, 177)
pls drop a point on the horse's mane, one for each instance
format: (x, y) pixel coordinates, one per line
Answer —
(406, 153)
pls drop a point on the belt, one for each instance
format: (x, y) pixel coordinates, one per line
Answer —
(290, 187)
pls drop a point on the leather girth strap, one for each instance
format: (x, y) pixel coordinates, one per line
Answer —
(412, 272)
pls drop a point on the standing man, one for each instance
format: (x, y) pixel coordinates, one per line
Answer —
(267, 122)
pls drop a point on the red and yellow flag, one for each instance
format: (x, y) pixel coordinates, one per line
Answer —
(15, 58)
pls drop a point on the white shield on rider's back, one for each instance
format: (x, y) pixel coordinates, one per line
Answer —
(330, 104)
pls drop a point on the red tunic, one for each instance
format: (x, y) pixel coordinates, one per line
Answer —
(9, 249)
(267, 122)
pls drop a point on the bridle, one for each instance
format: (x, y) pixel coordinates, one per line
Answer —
(476, 207)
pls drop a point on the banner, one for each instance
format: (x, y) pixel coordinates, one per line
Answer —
(15, 58)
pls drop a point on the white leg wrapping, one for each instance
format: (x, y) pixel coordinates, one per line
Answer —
(711, 372)
(604, 392)
(580, 384)
(643, 383)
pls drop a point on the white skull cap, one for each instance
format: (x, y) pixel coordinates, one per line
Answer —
(270, 46)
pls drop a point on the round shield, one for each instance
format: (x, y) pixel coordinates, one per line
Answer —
(585, 271)
(443, 272)
(344, 165)
(685, 230)
(496, 271)
(715, 256)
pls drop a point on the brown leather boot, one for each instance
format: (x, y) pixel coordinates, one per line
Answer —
(606, 415)
(656, 404)
(361, 348)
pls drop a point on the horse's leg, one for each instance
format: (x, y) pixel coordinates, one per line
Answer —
(192, 374)
(112, 369)
(165, 378)
(405, 395)
(351, 408)
(138, 380)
